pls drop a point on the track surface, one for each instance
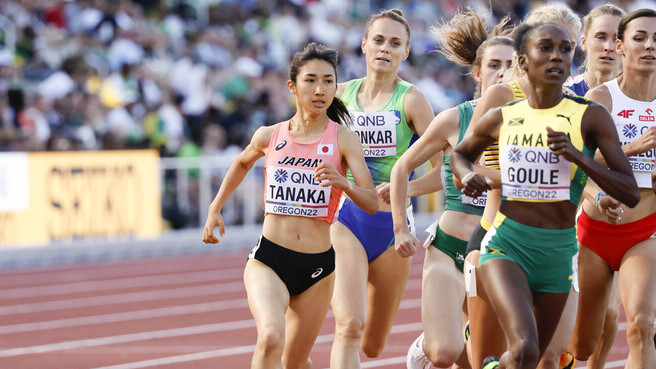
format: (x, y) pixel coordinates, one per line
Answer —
(182, 312)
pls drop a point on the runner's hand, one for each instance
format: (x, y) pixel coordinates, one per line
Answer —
(214, 219)
(646, 141)
(560, 145)
(474, 184)
(383, 191)
(611, 208)
(328, 175)
(406, 244)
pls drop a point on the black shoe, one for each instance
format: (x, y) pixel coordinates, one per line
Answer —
(490, 362)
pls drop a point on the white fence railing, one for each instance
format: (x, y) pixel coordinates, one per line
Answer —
(190, 184)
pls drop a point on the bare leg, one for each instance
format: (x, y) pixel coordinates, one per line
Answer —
(527, 334)
(388, 275)
(349, 300)
(611, 321)
(267, 299)
(562, 335)
(595, 280)
(443, 293)
(486, 336)
(637, 278)
(305, 317)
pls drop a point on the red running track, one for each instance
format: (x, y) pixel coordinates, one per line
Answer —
(182, 312)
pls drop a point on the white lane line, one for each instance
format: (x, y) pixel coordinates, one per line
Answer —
(609, 365)
(36, 277)
(119, 283)
(170, 293)
(131, 337)
(150, 313)
(111, 282)
(383, 362)
(410, 327)
(168, 311)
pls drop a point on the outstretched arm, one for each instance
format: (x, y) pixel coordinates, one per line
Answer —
(433, 141)
(238, 169)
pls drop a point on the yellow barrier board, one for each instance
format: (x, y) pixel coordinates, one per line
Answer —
(63, 196)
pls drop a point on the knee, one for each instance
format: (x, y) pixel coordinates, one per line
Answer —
(442, 356)
(270, 341)
(350, 329)
(371, 349)
(639, 329)
(611, 321)
(612, 315)
(524, 354)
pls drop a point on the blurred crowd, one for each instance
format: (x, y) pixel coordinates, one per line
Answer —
(193, 77)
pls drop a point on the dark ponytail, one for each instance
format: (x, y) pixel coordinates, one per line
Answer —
(337, 111)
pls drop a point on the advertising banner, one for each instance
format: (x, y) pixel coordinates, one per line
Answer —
(60, 196)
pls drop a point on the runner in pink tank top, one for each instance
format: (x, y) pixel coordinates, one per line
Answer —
(289, 273)
(290, 187)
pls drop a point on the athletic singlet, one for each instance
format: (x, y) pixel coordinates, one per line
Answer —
(632, 118)
(577, 85)
(455, 200)
(529, 170)
(491, 153)
(384, 134)
(290, 187)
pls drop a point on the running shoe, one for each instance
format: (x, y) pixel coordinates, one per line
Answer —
(490, 362)
(416, 358)
(567, 361)
(467, 334)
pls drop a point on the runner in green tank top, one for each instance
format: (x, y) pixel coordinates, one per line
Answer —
(465, 41)
(387, 113)
(384, 134)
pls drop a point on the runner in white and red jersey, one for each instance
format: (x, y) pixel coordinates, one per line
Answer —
(628, 242)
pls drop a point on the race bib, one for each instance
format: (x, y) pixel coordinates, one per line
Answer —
(479, 201)
(293, 191)
(641, 164)
(534, 173)
(377, 132)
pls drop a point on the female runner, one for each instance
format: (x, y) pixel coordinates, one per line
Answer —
(546, 144)
(288, 276)
(485, 337)
(602, 64)
(466, 42)
(627, 245)
(370, 276)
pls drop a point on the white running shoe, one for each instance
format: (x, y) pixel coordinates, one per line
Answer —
(416, 358)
